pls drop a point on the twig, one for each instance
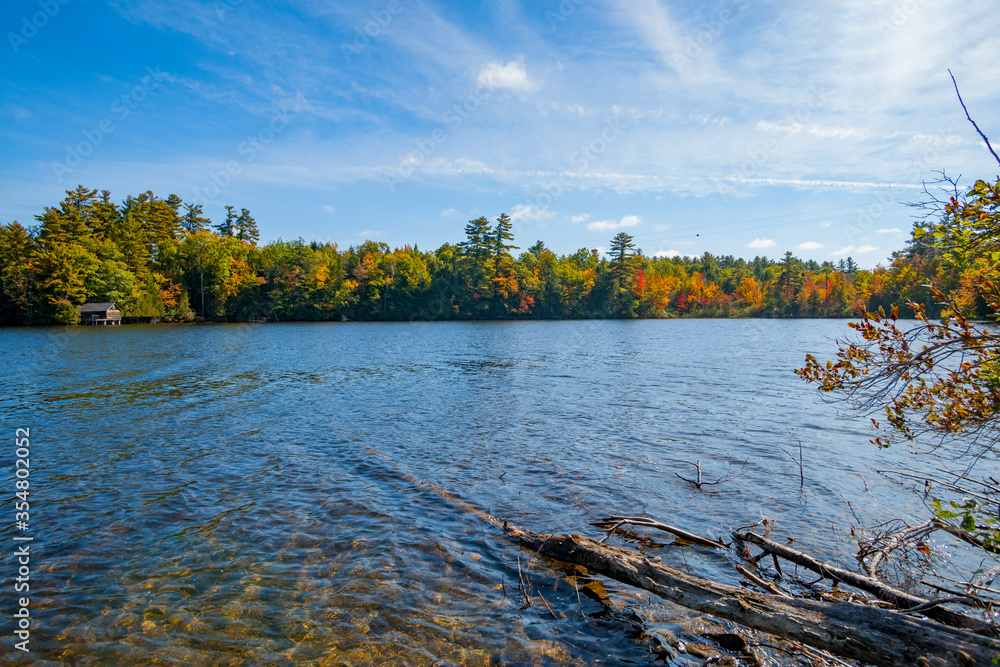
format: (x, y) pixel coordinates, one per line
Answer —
(611, 530)
(524, 588)
(802, 477)
(700, 483)
(539, 594)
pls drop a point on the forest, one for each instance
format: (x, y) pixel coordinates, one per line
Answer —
(162, 260)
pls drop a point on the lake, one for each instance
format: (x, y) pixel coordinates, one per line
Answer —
(308, 493)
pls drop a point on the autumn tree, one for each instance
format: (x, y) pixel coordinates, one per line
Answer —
(941, 377)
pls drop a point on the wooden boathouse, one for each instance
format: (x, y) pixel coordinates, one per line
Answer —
(100, 313)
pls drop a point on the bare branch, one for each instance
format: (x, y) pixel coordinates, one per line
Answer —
(970, 118)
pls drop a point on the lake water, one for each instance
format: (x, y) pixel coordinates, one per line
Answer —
(309, 493)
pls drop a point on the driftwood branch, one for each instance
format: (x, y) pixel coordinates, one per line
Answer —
(882, 547)
(856, 632)
(884, 592)
(612, 523)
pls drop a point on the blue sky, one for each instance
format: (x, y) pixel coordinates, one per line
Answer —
(741, 127)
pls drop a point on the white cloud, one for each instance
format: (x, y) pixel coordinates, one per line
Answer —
(370, 233)
(667, 253)
(530, 212)
(450, 213)
(826, 223)
(761, 243)
(577, 219)
(893, 230)
(809, 245)
(611, 225)
(850, 248)
(328, 209)
(511, 76)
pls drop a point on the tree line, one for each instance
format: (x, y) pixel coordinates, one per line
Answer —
(163, 260)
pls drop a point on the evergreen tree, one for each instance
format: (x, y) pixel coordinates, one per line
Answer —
(538, 249)
(477, 243)
(246, 228)
(790, 279)
(193, 222)
(17, 271)
(68, 223)
(226, 227)
(622, 253)
(105, 217)
(501, 249)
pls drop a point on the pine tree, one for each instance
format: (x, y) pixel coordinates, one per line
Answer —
(477, 243)
(501, 249)
(538, 249)
(246, 228)
(790, 279)
(68, 223)
(622, 265)
(193, 222)
(104, 217)
(226, 227)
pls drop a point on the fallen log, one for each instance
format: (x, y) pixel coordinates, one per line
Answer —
(884, 592)
(613, 522)
(856, 632)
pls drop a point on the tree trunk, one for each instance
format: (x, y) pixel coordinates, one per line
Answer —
(853, 631)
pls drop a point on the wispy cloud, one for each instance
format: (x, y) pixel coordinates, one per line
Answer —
(761, 243)
(846, 250)
(611, 225)
(809, 245)
(530, 212)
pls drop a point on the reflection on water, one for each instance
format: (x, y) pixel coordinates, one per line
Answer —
(308, 493)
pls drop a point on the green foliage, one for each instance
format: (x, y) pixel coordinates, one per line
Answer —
(161, 258)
